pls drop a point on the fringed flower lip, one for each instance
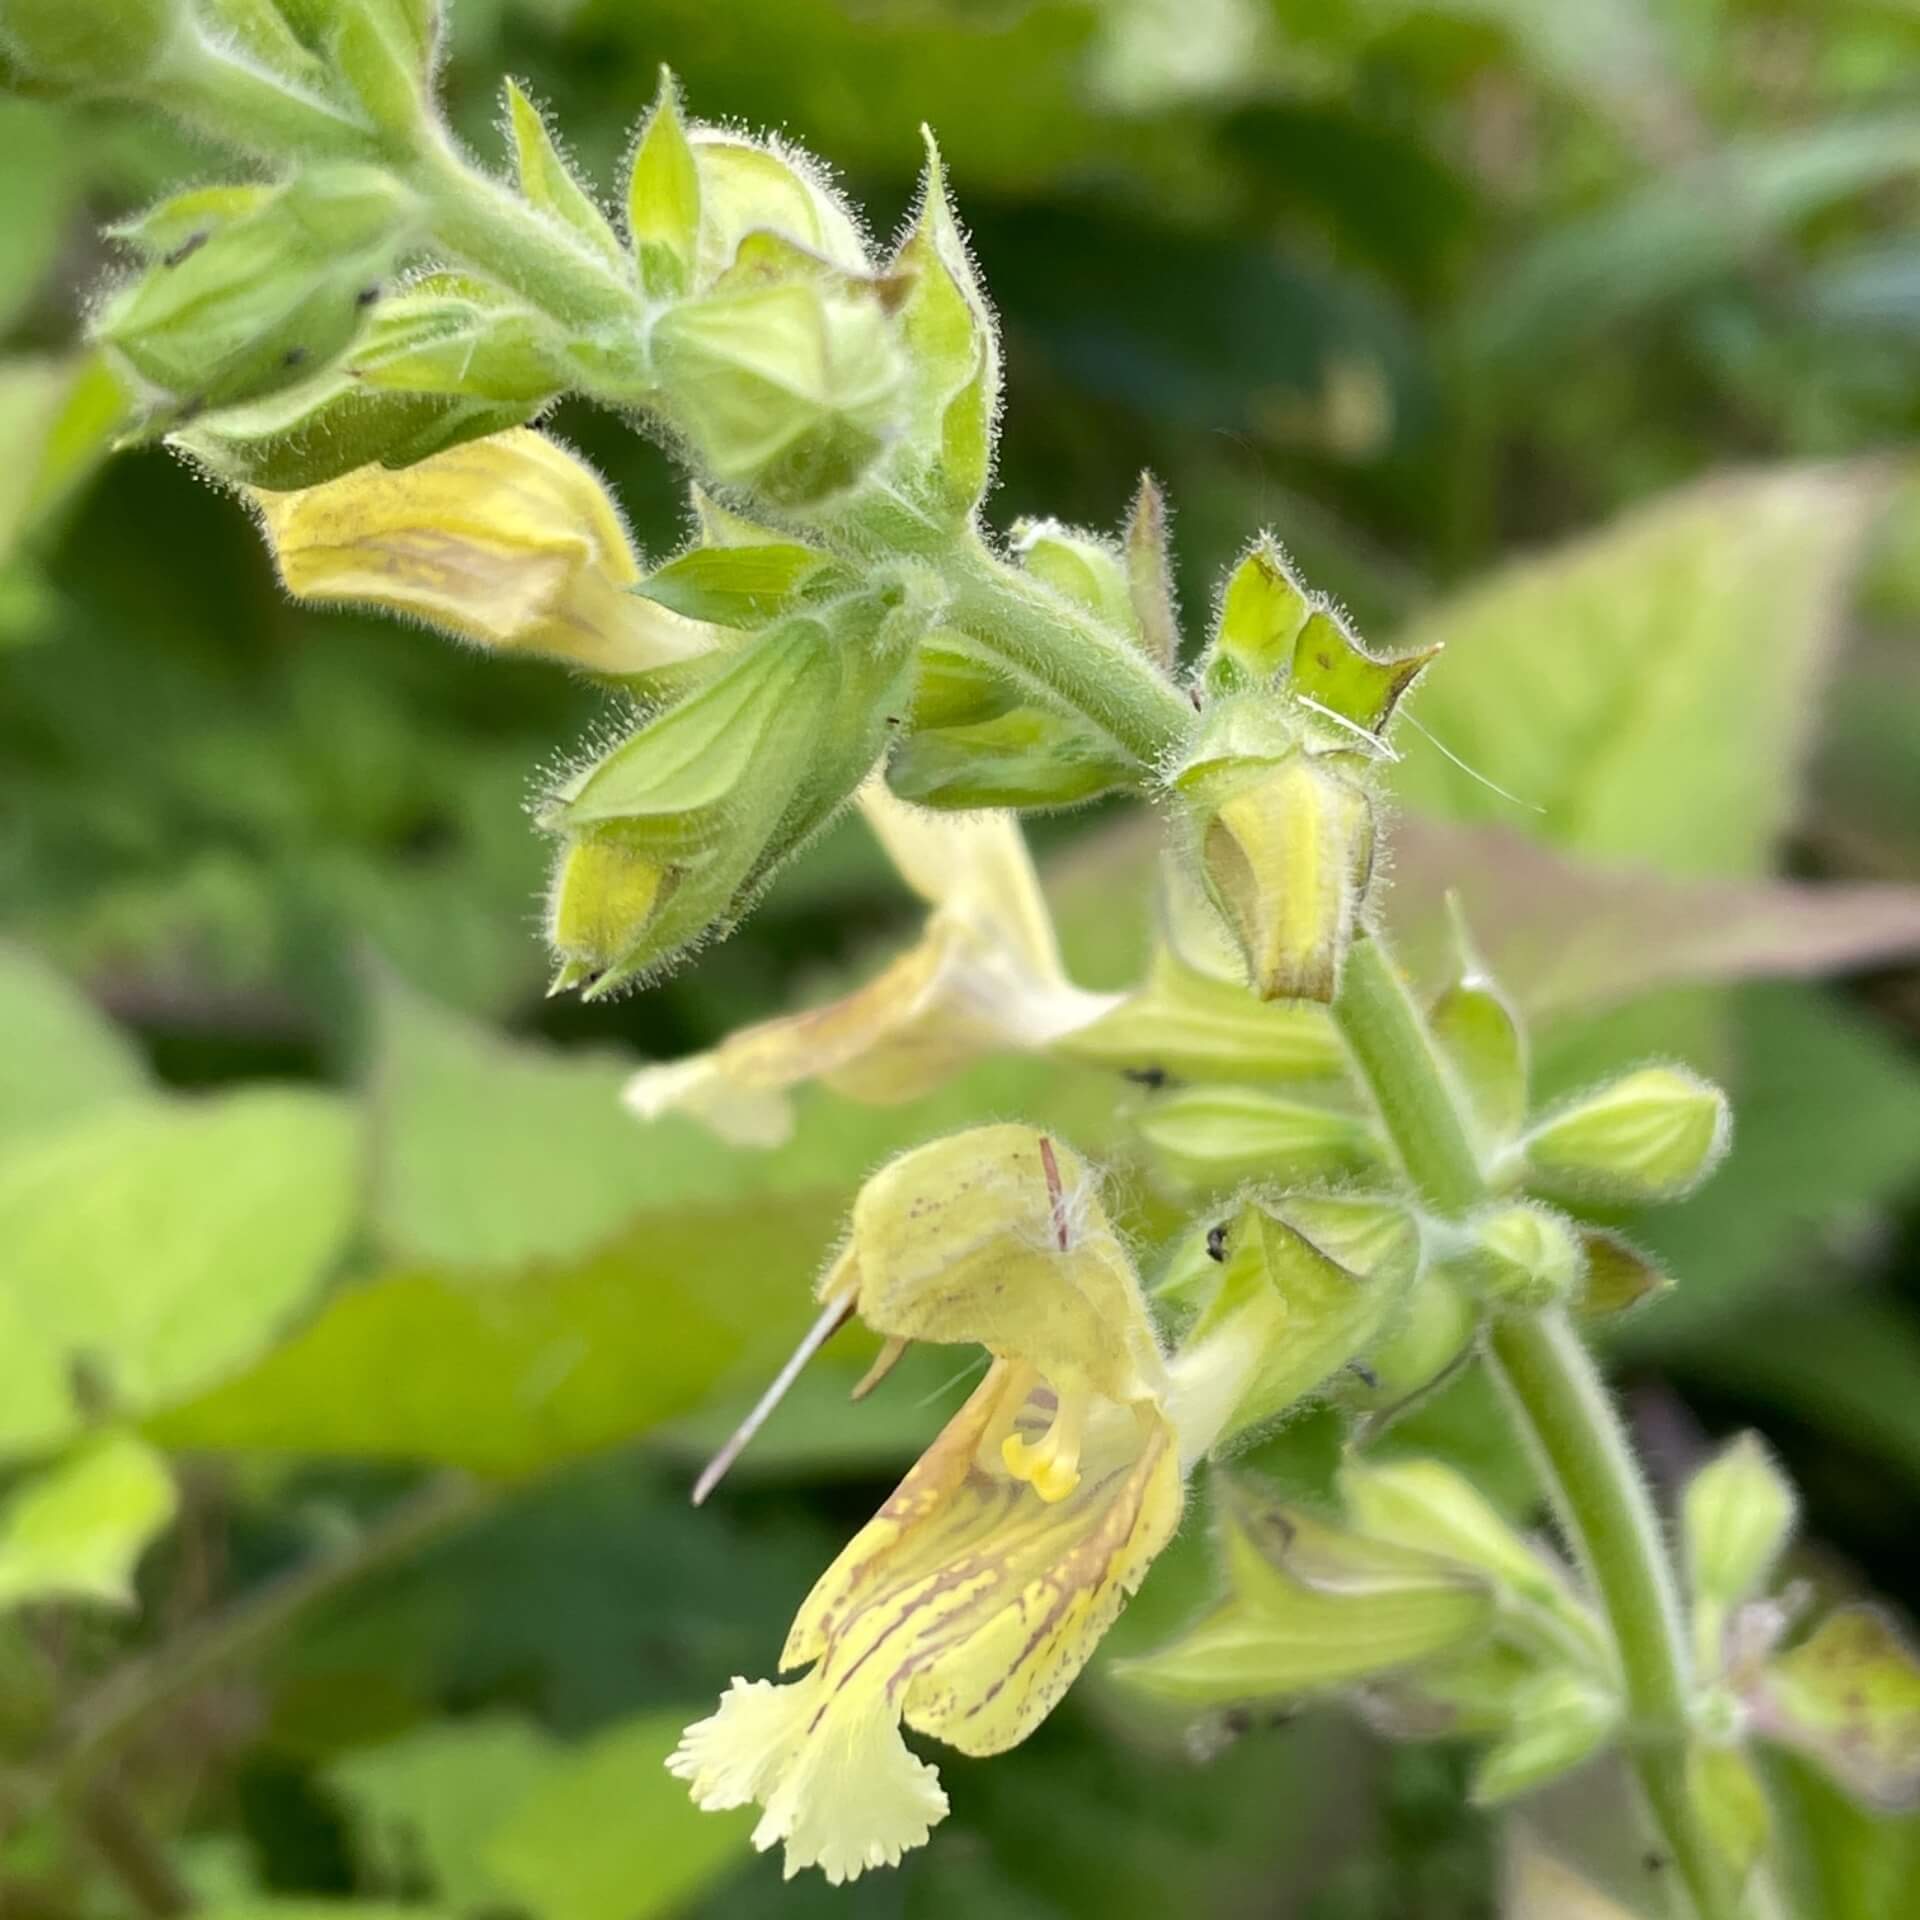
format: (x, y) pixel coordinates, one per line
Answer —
(965, 1608)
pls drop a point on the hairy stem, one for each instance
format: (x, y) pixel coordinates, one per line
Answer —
(1043, 638)
(1571, 1424)
(105, 1722)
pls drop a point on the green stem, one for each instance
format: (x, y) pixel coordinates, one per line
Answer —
(1044, 639)
(1576, 1435)
(127, 1703)
(1571, 1424)
(1394, 1055)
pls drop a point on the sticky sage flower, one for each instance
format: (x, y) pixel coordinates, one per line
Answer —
(969, 1603)
(510, 541)
(984, 976)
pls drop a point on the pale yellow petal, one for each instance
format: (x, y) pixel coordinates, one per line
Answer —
(975, 863)
(509, 541)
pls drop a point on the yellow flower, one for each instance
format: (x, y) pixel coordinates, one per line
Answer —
(967, 1605)
(985, 975)
(510, 541)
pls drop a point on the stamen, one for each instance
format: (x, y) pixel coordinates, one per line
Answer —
(1057, 1198)
(833, 1316)
(1051, 1464)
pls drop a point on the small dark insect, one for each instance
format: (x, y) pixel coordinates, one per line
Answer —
(1152, 1078)
(1654, 1862)
(293, 357)
(1217, 1242)
(366, 296)
(186, 249)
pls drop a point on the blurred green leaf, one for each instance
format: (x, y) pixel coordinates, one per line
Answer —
(540, 1364)
(1680, 230)
(59, 1055)
(1650, 688)
(154, 1248)
(430, 1802)
(611, 1835)
(491, 1153)
(1826, 1132)
(77, 1529)
(1851, 1863)
(42, 182)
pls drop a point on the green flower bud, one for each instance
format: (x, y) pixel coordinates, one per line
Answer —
(669, 837)
(1284, 835)
(447, 361)
(1430, 1336)
(1651, 1135)
(1738, 1514)
(789, 390)
(1211, 1138)
(1308, 1608)
(1427, 1506)
(1285, 1316)
(106, 46)
(1484, 1045)
(1560, 1720)
(1523, 1255)
(263, 293)
(1028, 757)
(1080, 566)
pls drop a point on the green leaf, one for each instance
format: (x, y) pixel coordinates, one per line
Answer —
(734, 586)
(1650, 688)
(539, 1365)
(435, 1797)
(1217, 1137)
(1309, 1609)
(77, 1530)
(1563, 934)
(548, 182)
(490, 1152)
(1853, 1863)
(59, 1056)
(155, 1248)
(1681, 230)
(611, 1835)
(1849, 1698)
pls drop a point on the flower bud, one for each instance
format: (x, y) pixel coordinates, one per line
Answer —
(1285, 841)
(1523, 1255)
(1560, 1720)
(1026, 757)
(1651, 1135)
(721, 787)
(1210, 1138)
(1080, 566)
(1738, 1513)
(509, 541)
(1430, 1336)
(262, 294)
(1480, 1036)
(788, 390)
(106, 46)
(1286, 1315)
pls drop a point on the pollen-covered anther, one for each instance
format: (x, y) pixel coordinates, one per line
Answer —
(1051, 1464)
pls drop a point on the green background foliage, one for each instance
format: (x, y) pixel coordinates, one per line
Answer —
(1585, 338)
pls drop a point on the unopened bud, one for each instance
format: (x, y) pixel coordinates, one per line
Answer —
(1430, 1336)
(1210, 1138)
(1651, 1135)
(1027, 756)
(1524, 1255)
(1080, 566)
(1286, 848)
(1559, 1720)
(789, 390)
(102, 46)
(263, 297)
(603, 899)
(1739, 1511)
